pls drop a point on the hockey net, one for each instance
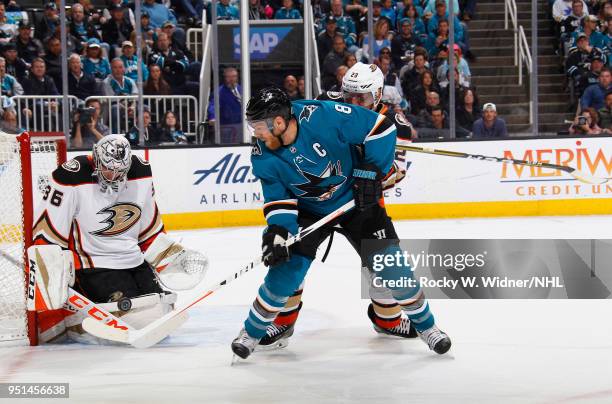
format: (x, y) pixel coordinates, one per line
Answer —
(26, 161)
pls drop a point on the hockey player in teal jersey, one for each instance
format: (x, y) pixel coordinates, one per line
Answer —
(303, 155)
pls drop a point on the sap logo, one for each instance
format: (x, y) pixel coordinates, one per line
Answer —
(227, 171)
(263, 41)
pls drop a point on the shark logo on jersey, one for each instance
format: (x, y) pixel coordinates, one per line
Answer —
(121, 217)
(307, 112)
(322, 186)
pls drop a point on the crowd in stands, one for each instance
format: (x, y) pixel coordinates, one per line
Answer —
(584, 34)
(101, 45)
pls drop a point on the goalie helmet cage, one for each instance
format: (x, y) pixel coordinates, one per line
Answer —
(26, 161)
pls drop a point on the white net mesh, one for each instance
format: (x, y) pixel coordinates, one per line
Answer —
(44, 152)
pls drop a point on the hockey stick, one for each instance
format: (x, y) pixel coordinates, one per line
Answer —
(162, 327)
(82, 304)
(577, 174)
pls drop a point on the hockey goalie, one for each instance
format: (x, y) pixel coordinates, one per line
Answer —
(98, 231)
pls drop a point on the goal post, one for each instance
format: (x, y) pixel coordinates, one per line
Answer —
(26, 162)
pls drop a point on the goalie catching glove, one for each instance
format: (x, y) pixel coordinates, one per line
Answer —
(178, 268)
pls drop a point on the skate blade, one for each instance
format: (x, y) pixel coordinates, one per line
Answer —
(236, 360)
(280, 344)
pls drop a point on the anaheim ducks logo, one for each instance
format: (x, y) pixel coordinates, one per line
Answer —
(121, 218)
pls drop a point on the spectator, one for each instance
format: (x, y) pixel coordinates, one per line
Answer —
(418, 27)
(572, 22)
(127, 12)
(256, 10)
(592, 76)
(80, 84)
(585, 123)
(28, 48)
(8, 28)
(9, 122)
(156, 85)
(38, 82)
(117, 83)
(72, 44)
(389, 12)
(170, 129)
(467, 110)
(430, 7)
(489, 125)
(172, 62)
(88, 129)
(468, 9)
(391, 78)
(8, 84)
(563, 8)
(605, 113)
(333, 60)
(46, 26)
(460, 64)
(230, 96)
(290, 84)
(349, 60)
(151, 135)
(148, 31)
(177, 38)
(53, 60)
(158, 13)
(596, 38)
(593, 96)
(116, 30)
(381, 38)
(225, 11)
(345, 25)
(325, 39)
(418, 95)
(424, 116)
(93, 62)
(81, 29)
(404, 45)
(192, 9)
(578, 59)
(441, 13)
(438, 40)
(130, 62)
(403, 5)
(287, 12)
(340, 72)
(412, 77)
(363, 21)
(436, 126)
(15, 66)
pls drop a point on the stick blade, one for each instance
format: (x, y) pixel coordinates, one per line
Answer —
(101, 330)
(152, 336)
(587, 178)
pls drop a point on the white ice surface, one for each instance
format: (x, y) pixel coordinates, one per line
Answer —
(504, 351)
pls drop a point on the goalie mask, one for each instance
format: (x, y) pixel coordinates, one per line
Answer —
(363, 85)
(112, 159)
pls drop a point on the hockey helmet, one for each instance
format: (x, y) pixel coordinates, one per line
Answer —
(363, 85)
(112, 159)
(268, 103)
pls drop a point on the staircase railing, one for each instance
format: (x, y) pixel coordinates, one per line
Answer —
(522, 54)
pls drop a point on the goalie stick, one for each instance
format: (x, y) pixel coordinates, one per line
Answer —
(577, 174)
(163, 326)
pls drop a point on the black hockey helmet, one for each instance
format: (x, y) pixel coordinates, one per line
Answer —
(268, 103)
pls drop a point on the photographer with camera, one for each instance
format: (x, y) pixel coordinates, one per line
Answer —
(586, 123)
(87, 127)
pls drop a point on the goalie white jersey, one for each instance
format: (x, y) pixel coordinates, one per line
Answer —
(103, 230)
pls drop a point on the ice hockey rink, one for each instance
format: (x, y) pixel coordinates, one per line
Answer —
(504, 351)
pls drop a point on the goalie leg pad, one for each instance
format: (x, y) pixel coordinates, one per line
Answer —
(51, 273)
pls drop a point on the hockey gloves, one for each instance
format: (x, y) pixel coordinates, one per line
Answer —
(273, 245)
(367, 187)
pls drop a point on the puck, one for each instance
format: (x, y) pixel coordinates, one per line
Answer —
(124, 304)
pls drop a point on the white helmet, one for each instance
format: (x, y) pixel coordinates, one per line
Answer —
(112, 158)
(363, 79)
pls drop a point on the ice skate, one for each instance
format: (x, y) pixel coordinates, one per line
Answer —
(436, 339)
(404, 329)
(277, 337)
(244, 344)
